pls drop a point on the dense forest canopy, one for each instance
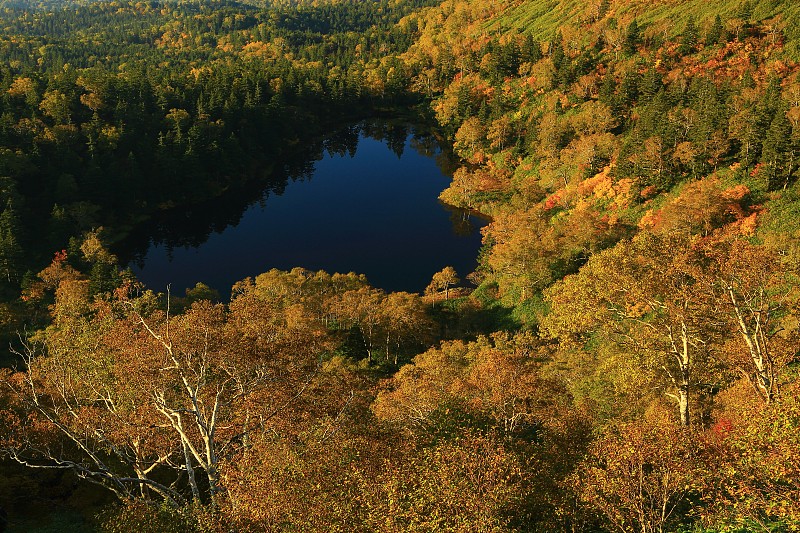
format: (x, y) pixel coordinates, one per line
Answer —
(624, 359)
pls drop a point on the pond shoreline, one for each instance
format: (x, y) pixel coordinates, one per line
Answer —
(204, 222)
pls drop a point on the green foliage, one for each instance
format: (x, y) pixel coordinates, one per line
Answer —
(10, 249)
(781, 227)
(543, 19)
(715, 32)
(689, 37)
(201, 291)
(613, 160)
(493, 314)
(632, 38)
(113, 114)
(529, 310)
(742, 527)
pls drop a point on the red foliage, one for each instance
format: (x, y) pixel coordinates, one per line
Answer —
(722, 428)
(649, 192)
(553, 201)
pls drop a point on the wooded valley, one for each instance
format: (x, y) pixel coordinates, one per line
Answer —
(625, 358)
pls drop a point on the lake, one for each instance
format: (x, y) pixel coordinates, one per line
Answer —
(364, 199)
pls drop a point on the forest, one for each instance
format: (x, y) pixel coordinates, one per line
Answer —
(626, 357)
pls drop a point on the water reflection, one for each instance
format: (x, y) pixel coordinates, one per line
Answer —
(362, 199)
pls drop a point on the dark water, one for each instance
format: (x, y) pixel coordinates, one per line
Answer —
(363, 200)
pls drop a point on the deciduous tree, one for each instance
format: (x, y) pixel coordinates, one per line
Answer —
(648, 293)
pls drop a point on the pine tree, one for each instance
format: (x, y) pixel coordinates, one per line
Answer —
(531, 51)
(689, 38)
(746, 11)
(715, 33)
(632, 38)
(557, 54)
(628, 90)
(10, 249)
(651, 83)
(775, 152)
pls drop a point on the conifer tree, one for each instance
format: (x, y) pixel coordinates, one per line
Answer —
(775, 152)
(689, 37)
(10, 249)
(531, 51)
(632, 38)
(715, 33)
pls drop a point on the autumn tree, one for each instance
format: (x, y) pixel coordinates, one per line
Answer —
(56, 105)
(757, 289)
(646, 293)
(443, 280)
(522, 253)
(314, 468)
(470, 137)
(143, 395)
(491, 392)
(755, 482)
(497, 377)
(77, 408)
(701, 207)
(473, 483)
(404, 322)
(361, 309)
(24, 88)
(639, 475)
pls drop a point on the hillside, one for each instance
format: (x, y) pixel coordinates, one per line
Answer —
(543, 19)
(626, 357)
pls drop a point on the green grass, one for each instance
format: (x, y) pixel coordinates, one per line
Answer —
(543, 18)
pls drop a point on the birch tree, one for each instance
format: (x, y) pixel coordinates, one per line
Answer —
(758, 291)
(646, 294)
(128, 396)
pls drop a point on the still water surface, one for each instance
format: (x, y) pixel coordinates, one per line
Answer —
(365, 202)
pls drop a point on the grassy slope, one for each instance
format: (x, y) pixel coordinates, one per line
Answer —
(542, 18)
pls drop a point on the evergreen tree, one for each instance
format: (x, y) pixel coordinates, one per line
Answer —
(607, 90)
(776, 153)
(10, 249)
(629, 89)
(715, 33)
(632, 38)
(531, 51)
(651, 83)
(557, 54)
(689, 37)
(745, 11)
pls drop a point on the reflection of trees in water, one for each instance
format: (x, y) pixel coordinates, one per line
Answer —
(425, 145)
(429, 145)
(393, 134)
(464, 223)
(343, 142)
(191, 226)
(299, 170)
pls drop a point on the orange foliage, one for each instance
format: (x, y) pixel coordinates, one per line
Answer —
(638, 473)
(701, 207)
(757, 451)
